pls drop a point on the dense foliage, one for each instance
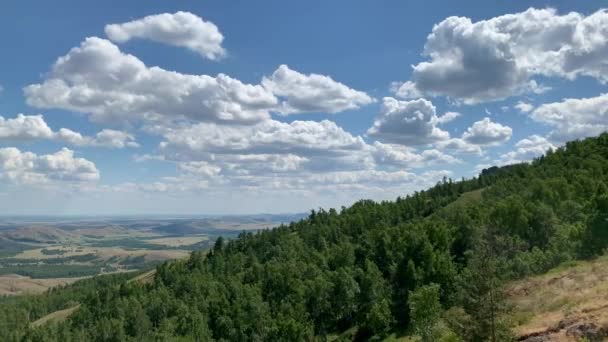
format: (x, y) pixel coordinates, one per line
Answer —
(360, 266)
(16, 313)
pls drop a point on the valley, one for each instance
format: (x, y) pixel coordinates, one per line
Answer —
(39, 253)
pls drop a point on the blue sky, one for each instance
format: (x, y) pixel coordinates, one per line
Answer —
(210, 107)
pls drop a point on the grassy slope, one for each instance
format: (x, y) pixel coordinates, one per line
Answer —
(144, 278)
(464, 199)
(555, 305)
(57, 316)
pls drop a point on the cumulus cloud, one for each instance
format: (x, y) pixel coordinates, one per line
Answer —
(250, 154)
(106, 138)
(299, 137)
(114, 87)
(367, 178)
(97, 78)
(403, 156)
(492, 59)
(447, 117)
(33, 127)
(458, 145)
(527, 149)
(406, 90)
(312, 93)
(28, 168)
(263, 163)
(25, 127)
(218, 129)
(182, 29)
(407, 123)
(524, 107)
(486, 132)
(574, 118)
(200, 168)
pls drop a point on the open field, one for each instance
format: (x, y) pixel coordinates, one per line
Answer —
(102, 253)
(178, 241)
(16, 284)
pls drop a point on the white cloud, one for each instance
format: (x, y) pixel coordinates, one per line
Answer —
(27, 168)
(486, 132)
(200, 168)
(263, 164)
(496, 58)
(312, 93)
(249, 155)
(114, 87)
(268, 147)
(459, 145)
(574, 118)
(113, 138)
(97, 78)
(407, 123)
(217, 130)
(447, 117)
(25, 127)
(403, 156)
(527, 149)
(406, 90)
(182, 29)
(524, 107)
(106, 138)
(33, 127)
(363, 178)
(299, 137)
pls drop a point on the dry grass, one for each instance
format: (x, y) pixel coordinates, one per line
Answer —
(56, 316)
(151, 255)
(144, 278)
(17, 285)
(178, 241)
(114, 232)
(68, 250)
(571, 294)
(103, 253)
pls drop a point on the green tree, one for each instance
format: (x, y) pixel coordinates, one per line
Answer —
(425, 311)
(481, 293)
(596, 237)
(375, 306)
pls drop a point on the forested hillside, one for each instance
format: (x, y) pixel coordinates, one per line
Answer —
(430, 264)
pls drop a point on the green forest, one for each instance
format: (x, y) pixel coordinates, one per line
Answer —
(431, 264)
